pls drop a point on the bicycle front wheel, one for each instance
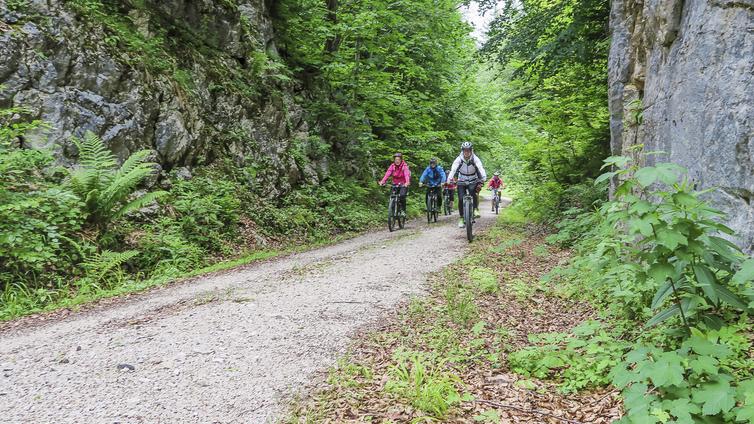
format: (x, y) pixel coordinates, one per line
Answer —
(391, 214)
(468, 216)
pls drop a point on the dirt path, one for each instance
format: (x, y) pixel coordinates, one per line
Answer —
(222, 349)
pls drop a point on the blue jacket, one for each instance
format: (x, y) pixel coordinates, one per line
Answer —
(432, 179)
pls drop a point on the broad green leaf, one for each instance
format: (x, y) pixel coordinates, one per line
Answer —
(707, 281)
(617, 161)
(745, 391)
(715, 397)
(667, 172)
(685, 199)
(745, 414)
(745, 273)
(662, 293)
(640, 226)
(729, 297)
(704, 347)
(646, 176)
(681, 409)
(667, 371)
(661, 272)
(724, 248)
(670, 238)
(664, 315)
(704, 365)
(604, 177)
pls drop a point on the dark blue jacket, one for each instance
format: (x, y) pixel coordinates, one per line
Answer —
(433, 178)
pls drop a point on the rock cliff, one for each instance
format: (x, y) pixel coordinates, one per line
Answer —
(682, 81)
(193, 80)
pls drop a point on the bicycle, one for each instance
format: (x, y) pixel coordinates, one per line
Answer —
(432, 211)
(447, 199)
(496, 201)
(468, 207)
(394, 214)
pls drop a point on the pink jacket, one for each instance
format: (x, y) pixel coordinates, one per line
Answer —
(401, 174)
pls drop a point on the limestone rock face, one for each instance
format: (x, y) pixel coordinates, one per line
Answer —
(681, 77)
(209, 97)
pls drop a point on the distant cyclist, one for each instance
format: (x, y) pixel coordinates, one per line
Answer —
(449, 188)
(401, 175)
(496, 183)
(469, 167)
(434, 175)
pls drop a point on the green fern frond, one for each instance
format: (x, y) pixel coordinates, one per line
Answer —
(139, 203)
(93, 154)
(124, 185)
(100, 265)
(132, 162)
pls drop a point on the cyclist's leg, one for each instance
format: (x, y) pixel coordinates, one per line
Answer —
(461, 193)
(438, 195)
(426, 199)
(402, 198)
(476, 197)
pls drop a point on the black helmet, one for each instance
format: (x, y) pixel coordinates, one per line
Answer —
(433, 161)
(398, 155)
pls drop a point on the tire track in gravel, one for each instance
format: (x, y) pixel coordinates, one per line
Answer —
(228, 348)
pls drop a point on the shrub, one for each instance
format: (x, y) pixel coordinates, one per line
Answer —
(104, 188)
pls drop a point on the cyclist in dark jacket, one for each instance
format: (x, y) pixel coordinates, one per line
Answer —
(434, 175)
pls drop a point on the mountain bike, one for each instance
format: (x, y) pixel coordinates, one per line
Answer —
(447, 198)
(496, 201)
(432, 209)
(394, 214)
(468, 207)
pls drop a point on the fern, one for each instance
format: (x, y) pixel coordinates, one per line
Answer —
(105, 188)
(103, 264)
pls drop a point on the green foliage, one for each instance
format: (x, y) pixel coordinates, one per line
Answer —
(690, 384)
(427, 387)
(579, 360)
(107, 191)
(460, 304)
(654, 258)
(485, 279)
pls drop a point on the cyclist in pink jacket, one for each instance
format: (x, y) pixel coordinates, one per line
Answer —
(401, 176)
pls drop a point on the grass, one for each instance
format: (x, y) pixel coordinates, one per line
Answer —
(62, 299)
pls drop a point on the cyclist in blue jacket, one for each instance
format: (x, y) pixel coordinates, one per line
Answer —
(434, 175)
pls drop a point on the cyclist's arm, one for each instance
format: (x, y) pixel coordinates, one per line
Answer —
(424, 176)
(387, 173)
(407, 174)
(454, 169)
(482, 172)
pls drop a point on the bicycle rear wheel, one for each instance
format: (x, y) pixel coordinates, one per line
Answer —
(468, 216)
(391, 214)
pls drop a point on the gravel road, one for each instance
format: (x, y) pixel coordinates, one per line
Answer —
(222, 349)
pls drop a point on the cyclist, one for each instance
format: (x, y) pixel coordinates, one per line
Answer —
(434, 175)
(401, 175)
(469, 167)
(496, 183)
(450, 190)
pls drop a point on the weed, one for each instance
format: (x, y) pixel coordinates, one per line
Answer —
(485, 280)
(427, 387)
(460, 304)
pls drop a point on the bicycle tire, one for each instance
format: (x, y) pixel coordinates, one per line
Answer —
(468, 216)
(401, 221)
(391, 214)
(497, 205)
(429, 209)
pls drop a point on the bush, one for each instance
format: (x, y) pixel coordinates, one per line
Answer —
(38, 220)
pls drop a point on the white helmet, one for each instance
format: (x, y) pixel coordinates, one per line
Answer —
(466, 145)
